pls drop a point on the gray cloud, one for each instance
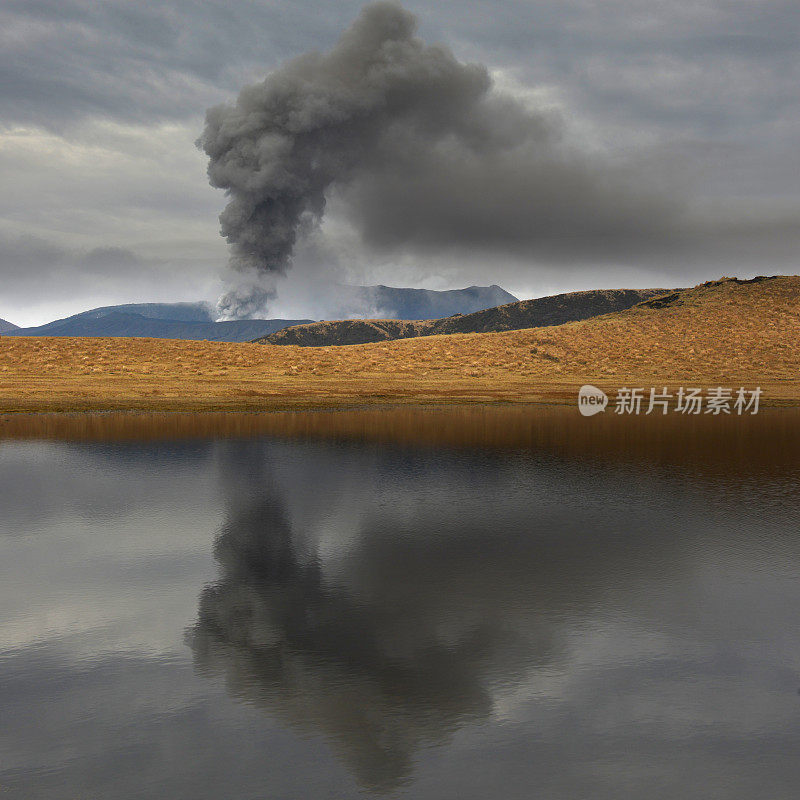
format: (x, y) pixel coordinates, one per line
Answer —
(65, 59)
(138, 62)
(701, 96)
(20, 255)
(40, 276)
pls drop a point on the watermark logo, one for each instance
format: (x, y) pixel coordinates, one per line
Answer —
(718, 400)
(591, 400)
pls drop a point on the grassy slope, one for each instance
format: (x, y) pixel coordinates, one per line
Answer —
(722, 333)
(540, 312)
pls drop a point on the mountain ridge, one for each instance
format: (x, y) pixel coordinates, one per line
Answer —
(396, 302)
(197, 321)
(123, 325)
(539, 312)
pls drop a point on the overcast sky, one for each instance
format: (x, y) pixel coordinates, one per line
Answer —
(106, 198)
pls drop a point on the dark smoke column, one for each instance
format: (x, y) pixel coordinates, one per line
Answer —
(311, 125)
(425, 155)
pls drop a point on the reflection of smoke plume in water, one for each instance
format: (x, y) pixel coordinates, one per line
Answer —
(318, 657)
(420, 618)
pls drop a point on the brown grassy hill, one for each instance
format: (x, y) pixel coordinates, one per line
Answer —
(347, 331)
(536, 313)
(725, 332)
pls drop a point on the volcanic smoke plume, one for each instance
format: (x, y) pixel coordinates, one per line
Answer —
(316, 121)
(423, 151)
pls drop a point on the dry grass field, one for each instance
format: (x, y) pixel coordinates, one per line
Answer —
(722, 333)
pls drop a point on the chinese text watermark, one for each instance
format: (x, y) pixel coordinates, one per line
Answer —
(716, 400)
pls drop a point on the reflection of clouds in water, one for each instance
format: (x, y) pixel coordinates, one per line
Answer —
(127, 726)
(84, 527)
(40, 482)
(453, 588)
(560, 628)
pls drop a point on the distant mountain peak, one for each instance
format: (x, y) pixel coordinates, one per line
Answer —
(394, 302)
(174, 312)
(157, 321)
(6, 326)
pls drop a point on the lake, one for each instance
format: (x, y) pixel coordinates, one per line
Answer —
(422, 603)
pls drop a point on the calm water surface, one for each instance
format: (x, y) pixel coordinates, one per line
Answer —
(264, 617)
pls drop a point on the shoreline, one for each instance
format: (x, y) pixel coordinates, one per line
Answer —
(560, 396)
(53, 397)
(770, 438)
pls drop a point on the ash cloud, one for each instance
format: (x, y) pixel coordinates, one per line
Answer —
(706, 91)
(421, 150)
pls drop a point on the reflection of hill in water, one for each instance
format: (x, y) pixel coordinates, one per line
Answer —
(456, 579)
